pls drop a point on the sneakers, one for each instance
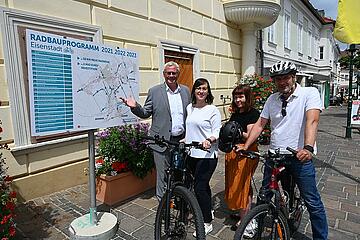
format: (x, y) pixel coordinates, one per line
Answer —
(212, 214)
(208, 229)
(250, 229)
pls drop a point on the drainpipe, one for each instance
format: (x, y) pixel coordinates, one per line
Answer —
(261, 51)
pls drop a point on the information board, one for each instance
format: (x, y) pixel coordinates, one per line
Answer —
(355, 112)
(75, 85)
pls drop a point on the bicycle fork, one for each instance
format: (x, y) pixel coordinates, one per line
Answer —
(280, 201)
(168, 202)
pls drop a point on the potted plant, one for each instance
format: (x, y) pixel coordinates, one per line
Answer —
(7, 199)
(125, 166)
(261, 88)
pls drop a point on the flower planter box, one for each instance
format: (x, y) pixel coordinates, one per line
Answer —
(114, 189)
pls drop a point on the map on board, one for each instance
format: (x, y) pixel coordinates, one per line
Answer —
(75, 85)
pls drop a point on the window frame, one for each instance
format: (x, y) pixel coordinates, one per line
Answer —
(271, 33)
(300, 37)
(15, 65)
(287, 21)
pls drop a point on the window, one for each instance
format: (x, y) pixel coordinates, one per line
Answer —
(300, 37)
(313, 43)
(309, 43)
(287, 31)
(321, 52)
(15, 22)
(271, 33)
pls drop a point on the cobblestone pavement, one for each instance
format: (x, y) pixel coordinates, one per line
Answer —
(338, 169)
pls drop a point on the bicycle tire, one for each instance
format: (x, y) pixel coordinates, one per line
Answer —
(264, 216)
(185, 216)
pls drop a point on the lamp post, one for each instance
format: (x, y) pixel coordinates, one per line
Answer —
(357, 84)
(348, 122)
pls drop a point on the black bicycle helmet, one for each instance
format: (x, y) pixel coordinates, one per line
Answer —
(230, 134)
(282, 68)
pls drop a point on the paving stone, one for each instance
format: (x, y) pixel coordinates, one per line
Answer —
(130, 224)
(332, 213)
(353, 218)
(123, 235)
(350, 208)
(330, 203)
(337, 234)
(333, 192)
(148, 203)
(144, 232)
(137, 211)
(349, 226)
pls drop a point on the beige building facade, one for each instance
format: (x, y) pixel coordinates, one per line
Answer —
(202, 29)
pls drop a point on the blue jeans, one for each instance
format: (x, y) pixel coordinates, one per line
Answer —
(304, 175)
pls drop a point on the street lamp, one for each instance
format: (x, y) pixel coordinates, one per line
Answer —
(348, 122)
(357, 84)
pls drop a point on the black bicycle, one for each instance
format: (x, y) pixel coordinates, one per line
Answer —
(277, 217)
(179, 213)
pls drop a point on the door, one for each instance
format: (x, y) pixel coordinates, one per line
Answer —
(185, 61)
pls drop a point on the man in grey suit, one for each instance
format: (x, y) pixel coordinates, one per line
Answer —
(166, 103)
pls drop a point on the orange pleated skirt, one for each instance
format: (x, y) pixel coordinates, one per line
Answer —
(238, 173)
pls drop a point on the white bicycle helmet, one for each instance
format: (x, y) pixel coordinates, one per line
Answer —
(282, 68)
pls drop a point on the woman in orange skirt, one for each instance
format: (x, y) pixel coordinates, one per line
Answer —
(240, 169)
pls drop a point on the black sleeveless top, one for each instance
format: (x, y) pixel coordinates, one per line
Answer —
(245, 118)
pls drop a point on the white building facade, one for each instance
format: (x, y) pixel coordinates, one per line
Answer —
(303, 36)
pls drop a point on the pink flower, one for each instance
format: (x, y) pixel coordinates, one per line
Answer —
(12, 231)
(13, 194)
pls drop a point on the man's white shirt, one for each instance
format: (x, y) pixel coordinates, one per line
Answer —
(289, 130)
(176, 109)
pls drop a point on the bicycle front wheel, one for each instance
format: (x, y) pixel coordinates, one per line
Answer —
(260, 223)
(184, 218)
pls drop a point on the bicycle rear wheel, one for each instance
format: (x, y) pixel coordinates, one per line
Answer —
(260, 223)
(185, 216)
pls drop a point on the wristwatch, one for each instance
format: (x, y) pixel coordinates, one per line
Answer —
(309, 148)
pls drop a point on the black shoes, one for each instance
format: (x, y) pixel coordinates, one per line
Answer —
(235, 226)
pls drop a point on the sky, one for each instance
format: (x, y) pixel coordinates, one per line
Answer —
(330, 7)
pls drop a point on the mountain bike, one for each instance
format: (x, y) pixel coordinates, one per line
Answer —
(279, 216)
(178, 214)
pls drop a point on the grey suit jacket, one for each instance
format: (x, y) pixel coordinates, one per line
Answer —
(157, 106)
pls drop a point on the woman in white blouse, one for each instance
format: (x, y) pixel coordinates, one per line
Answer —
(203, 124)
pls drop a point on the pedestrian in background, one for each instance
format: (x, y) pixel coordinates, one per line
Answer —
(166, 103)
(240, 169)
(203, 124)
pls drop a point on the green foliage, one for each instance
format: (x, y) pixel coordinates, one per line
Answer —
(261, 89)
(345, 61)
(123, 149)
(7, 199)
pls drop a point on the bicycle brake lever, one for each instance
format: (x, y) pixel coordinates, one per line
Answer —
(250, 154)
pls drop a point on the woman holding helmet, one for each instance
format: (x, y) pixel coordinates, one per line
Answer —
(240, 169)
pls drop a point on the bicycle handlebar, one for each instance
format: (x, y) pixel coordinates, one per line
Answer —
(161, 141)
(277, 154)
(293, 151)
